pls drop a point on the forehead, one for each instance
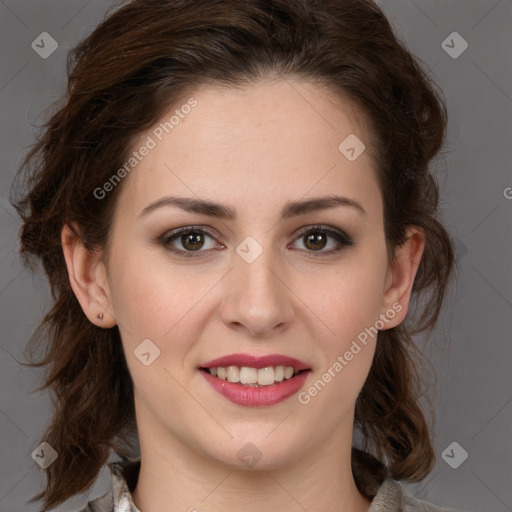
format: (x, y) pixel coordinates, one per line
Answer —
(274, 139)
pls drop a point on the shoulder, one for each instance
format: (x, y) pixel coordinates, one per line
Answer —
(412, 504)
(391, 497)
(102, 504)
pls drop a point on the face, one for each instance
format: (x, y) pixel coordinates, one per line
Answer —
(276, 275)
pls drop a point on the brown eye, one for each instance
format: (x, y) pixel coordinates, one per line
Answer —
(187, 241)
(192, 241)
(317, 238)
(315, 241)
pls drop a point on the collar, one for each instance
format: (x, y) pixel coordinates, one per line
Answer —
(124, 478)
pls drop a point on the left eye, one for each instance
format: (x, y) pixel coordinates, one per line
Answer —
(315, 240)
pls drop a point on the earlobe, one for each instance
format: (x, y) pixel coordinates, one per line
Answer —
(87, 278)
(401, 274)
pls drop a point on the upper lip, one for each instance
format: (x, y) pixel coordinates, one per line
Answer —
(256, 361)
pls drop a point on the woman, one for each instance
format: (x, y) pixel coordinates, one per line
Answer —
(235, 211)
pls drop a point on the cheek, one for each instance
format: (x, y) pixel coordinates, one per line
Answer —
(348, 345)
(351, 300)
(162, 303)
(349, 352)
(349, 308)
(144, 289)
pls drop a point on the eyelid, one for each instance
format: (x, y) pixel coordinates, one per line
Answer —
(323, 227)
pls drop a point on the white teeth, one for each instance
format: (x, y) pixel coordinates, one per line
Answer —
(248, 375)
(254, 377)
(279, 373)
(233, 373)
(266, 376)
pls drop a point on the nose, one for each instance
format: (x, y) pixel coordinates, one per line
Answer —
(256, 298)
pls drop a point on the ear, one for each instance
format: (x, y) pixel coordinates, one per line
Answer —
(88, 279)
(400, 276)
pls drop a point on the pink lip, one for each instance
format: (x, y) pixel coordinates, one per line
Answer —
(256, 362)
(256, 396)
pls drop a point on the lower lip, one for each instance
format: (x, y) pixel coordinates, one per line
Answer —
(256, 396)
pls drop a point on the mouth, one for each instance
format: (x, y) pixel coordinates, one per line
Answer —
(254, 377)
(255, 380)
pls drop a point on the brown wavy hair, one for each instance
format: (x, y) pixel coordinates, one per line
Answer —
(142, 58)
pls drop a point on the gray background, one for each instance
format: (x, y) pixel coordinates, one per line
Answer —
(470, 349)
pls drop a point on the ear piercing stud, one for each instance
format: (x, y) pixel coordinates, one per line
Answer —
(100, 316)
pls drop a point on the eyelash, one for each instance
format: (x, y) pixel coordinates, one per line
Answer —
(342, 238)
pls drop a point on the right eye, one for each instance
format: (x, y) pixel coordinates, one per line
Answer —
(191, 239)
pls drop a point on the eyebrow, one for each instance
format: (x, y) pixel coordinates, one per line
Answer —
(290, 209)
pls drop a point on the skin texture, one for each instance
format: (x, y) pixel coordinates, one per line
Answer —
(253, 149)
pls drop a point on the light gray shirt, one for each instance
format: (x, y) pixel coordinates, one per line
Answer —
(389, 497)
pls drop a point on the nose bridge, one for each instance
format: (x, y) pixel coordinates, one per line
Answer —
(256, 295)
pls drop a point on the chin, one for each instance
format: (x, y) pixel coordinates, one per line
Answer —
(249, 453)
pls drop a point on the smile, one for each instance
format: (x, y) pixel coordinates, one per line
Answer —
(255, 381)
